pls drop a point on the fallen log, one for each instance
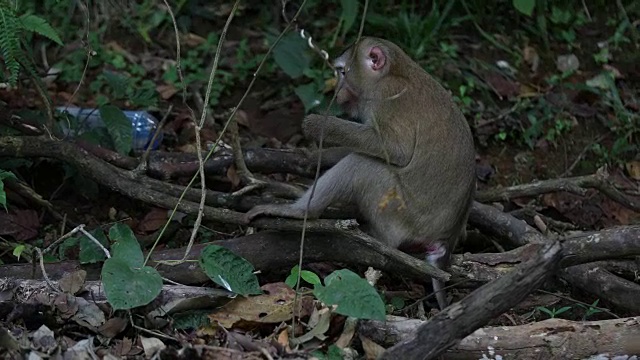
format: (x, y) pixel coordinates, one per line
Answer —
(551, 339)
(460, 319)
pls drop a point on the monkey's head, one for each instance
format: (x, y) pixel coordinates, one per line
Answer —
(360, 68)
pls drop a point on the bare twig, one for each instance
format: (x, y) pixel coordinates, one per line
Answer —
(142, 166)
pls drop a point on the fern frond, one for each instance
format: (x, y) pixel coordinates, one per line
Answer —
(39, 25)
(10, 43)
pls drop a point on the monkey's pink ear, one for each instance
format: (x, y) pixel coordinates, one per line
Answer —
(378, 58)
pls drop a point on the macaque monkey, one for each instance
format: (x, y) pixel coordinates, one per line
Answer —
(410, 169)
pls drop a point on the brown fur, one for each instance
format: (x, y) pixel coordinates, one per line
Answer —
(411, 169)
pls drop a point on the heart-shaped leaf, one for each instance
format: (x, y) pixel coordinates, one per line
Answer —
(352, 294)
(119, 128)
(126, 246)
(229, 270)
(127, 287)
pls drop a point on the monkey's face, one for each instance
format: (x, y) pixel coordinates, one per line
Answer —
(346, 97)
(359, 69)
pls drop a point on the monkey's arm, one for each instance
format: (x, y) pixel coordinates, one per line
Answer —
(330, 156)
(362, 138)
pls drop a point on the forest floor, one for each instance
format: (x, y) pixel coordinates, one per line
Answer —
(537, 112)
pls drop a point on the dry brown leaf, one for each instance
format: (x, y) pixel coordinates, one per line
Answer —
(232, 175)
(113, 327)
(633, 168)
(283, 339)
(274, 306)
(73, 282)
(153, 220)
(531, 57)
(166, 91)
(242, 118)
(371, 350)
(22, 225)
(193, 40)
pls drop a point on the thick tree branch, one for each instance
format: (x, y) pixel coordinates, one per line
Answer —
(489, 301)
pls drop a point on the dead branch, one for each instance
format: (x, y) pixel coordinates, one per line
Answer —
(576, 185)
(132, 185)
(273, 250)
(549, 339)
(613, 243)
(462, 318)
(490, 220)
(605, 285)
(173, 298)
(171, 165)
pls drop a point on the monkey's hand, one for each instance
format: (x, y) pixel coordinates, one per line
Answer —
(274, 210)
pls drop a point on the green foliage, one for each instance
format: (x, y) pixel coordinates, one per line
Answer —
(34, 23)
(90, 252)
(625, 125)
(193, 319)
(229, 270)
(292, 55)
(397, 302)
(524, 6)
(306, 275)
(12, 29)
(195, 71)
(10, 42)
(18, 250)
(348, 16)
(333, 353)
(127, 283)
(553, 312)
(3, 194)
(119, 128)
(353, 295)
(412, 29)
(590, 310)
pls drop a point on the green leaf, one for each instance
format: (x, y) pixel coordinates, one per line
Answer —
(10, 43)
(334, 353)
(192, 319)
(562, 309)
(39, 25)
(310, 277)
(119, 128)
(18, 250)
(3, 194)
(229, 270)
(397, 302)
(349, 13)
(310, 96)
(545, 310)
(126, 287)
(525, 6)
(90, 252)
(126, 246)
(306, 275)
(292, 279)
(292, 55)
(352, 294)
(118, 84)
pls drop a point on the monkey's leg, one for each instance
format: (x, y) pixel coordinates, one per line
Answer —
(335, 184)
(438, 256)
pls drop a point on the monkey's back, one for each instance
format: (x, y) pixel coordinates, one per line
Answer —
(437, 185)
